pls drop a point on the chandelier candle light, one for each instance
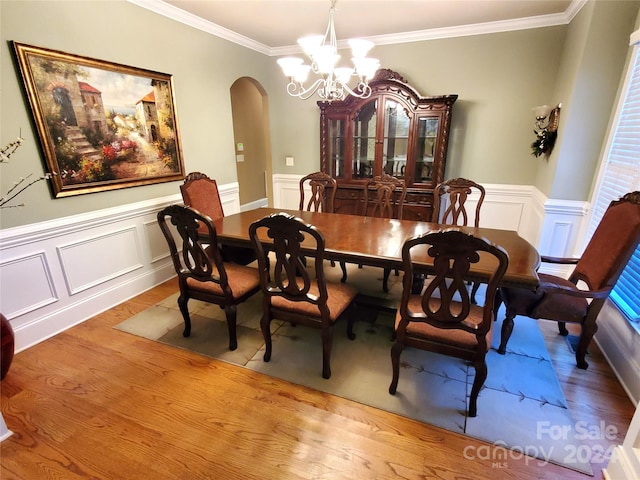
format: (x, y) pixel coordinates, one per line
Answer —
(323, 53)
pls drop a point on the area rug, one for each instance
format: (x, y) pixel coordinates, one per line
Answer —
(521, 408)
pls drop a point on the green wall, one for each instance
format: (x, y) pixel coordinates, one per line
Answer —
(499, 79)
(592, 64)
(203, 67)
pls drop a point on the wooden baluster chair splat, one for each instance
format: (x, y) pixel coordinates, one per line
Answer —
(433, 320)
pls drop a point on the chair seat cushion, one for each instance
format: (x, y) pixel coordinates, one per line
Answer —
(339, 298)
(242, 280)
(538, 304)
(450, 336)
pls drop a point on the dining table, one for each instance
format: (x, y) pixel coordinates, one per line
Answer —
(378, 242)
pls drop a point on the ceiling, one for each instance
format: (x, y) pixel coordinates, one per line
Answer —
(274, 26)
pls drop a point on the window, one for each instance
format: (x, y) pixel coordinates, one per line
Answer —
(620, 174)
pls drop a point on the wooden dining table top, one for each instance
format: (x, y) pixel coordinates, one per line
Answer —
(378, 241)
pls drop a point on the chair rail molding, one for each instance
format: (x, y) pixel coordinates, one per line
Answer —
(58, 273)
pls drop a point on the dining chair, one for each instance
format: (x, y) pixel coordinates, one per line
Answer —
(580, 297)
(388, 196)
(201, 192)
(202, 273)
(291, 293)
(450, 207)
(322, 188)
(433, 320)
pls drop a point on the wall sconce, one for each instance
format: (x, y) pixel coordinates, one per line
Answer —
(546, 129)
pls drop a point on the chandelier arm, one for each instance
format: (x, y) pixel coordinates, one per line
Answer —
(298, 90)
(365, 90)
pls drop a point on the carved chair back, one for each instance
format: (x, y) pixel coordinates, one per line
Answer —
(389, 194)
(452, 196)
(323, 192)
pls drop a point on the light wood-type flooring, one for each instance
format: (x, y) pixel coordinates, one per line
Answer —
(94, 402)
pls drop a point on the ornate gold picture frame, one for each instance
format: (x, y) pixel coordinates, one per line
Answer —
(102, 125)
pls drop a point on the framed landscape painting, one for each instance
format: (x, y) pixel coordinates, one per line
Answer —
(101, 125)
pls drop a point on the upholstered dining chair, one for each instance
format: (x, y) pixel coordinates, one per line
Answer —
(202, 274)
(580, 297)
(292, 294)
(322, 193)
(201, 192)
(450, 207)
(384, 196)
(433, 320)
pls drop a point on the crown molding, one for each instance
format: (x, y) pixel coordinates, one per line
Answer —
(174, 13)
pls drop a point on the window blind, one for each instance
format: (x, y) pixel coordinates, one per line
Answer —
(621, 174)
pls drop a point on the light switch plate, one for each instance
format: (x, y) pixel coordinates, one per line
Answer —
(289, 161)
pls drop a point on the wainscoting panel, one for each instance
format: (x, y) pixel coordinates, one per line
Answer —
(286, 191)
(58, 273)
(96, 260)
(27, 284)
(155, 242)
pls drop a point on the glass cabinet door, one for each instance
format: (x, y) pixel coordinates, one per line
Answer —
(426, 145)
(396, 139)
(364, 140)
(336, 146)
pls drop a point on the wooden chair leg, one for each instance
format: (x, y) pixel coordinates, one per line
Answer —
(396, 350)
(183, 300)
(587, 333)
(327, 340)
(231, 314)
(562, 329)
(385, 280)
(478, 382)
(265, 326)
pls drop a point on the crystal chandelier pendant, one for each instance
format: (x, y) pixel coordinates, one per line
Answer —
(332, 82)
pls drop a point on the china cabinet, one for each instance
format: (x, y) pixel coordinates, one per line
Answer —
(394, 131)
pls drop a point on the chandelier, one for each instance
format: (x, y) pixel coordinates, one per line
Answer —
(333, 82)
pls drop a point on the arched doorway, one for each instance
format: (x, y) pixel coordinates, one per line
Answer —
(251, 133)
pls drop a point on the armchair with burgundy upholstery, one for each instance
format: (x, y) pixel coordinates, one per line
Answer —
(202, 274)
(433, 320)
(292, 294)
(580, 298)
(201, 192)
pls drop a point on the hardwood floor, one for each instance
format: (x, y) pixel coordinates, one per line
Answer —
(93, 402)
